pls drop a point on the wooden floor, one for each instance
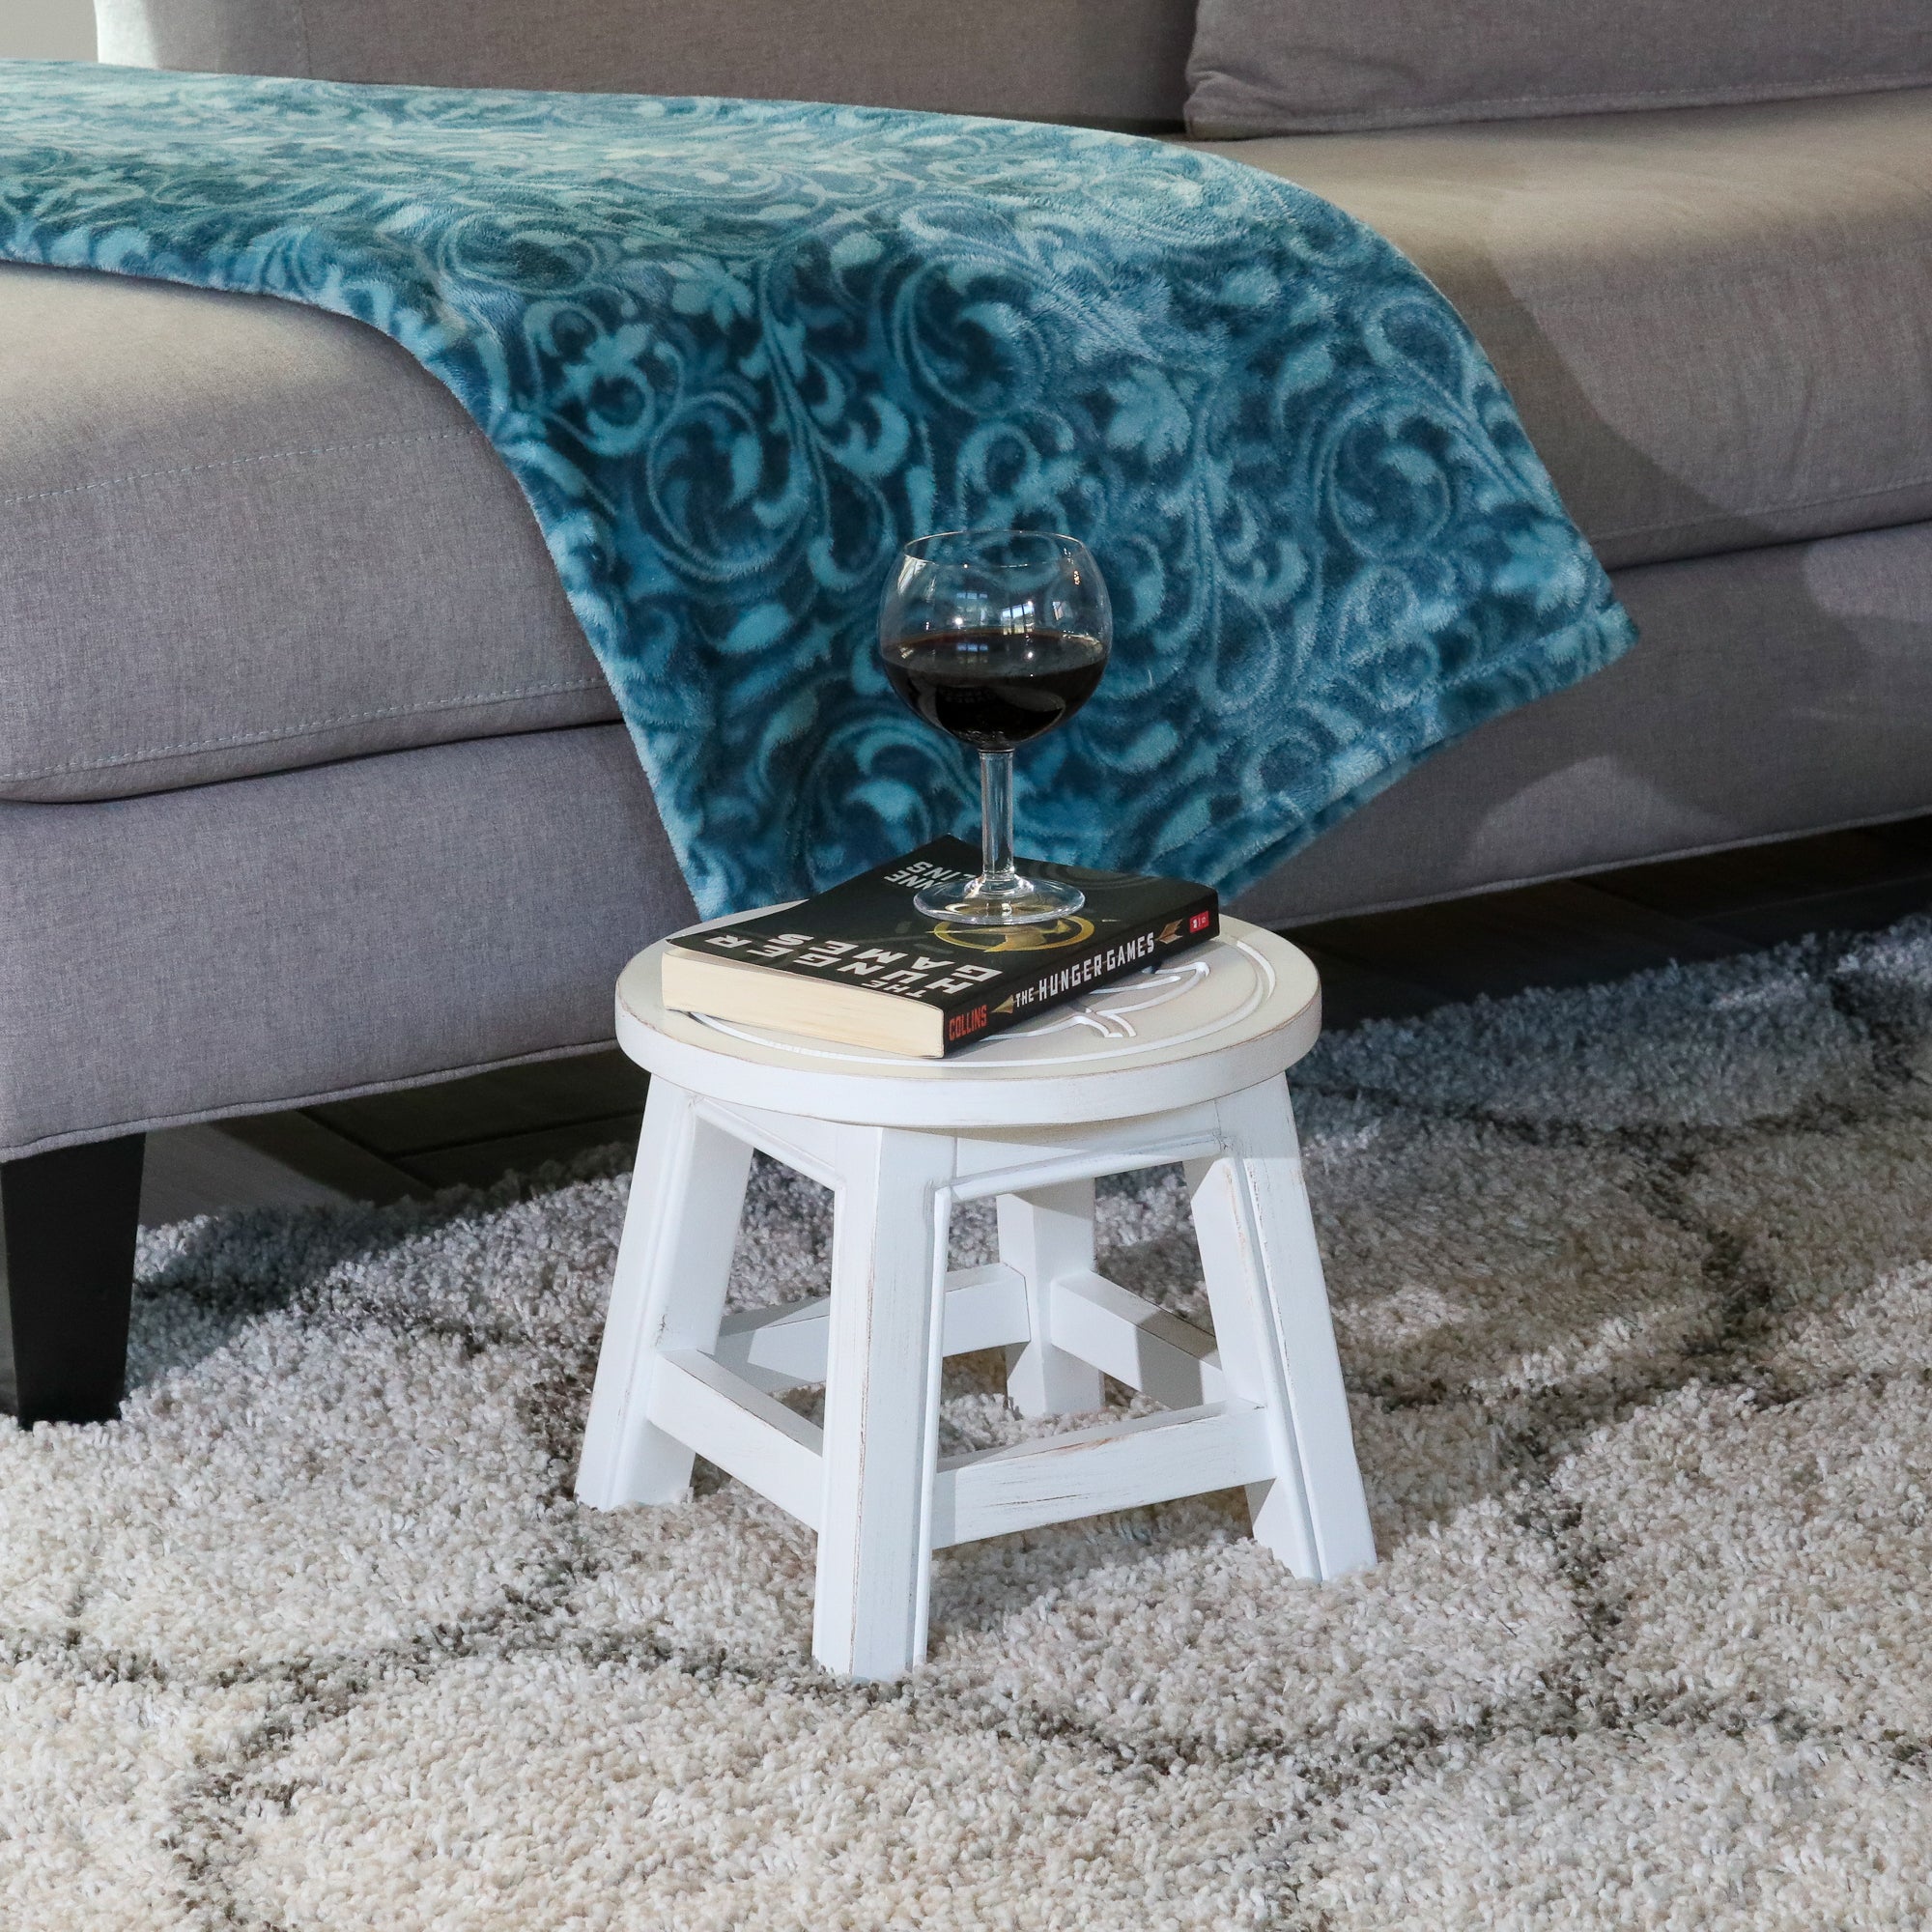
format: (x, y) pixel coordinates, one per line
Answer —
(1387, 965)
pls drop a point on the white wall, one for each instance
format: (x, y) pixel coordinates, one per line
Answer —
(47, 29)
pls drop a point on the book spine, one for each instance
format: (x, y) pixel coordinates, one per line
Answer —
(1070, 975)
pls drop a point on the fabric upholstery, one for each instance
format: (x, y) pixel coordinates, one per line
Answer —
(736, 352)
(1714, 324)
(238, 948)
(1286, 67)
(1777, 392)
(1775, 691)
(1113, 63)
(1717, 322)
(238, 535)
(241, 947)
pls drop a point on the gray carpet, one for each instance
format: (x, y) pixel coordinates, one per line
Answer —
(1634, 1293)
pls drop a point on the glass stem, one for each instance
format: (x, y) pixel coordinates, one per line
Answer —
(996, 817)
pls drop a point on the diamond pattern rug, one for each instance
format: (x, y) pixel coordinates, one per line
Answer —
(1634, 1287)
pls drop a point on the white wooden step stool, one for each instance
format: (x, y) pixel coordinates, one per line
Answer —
(1184, 1064)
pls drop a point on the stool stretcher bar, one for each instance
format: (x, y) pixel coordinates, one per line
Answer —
(1152, 1458)
(724, 1407)
(785, 1347)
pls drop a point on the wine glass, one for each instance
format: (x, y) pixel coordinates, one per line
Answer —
(996, 636)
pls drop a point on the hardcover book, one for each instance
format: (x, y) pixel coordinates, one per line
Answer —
(861, 965)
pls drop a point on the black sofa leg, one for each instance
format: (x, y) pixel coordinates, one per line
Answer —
(68, 1222)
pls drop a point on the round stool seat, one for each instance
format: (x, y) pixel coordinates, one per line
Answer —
(1237, 1010)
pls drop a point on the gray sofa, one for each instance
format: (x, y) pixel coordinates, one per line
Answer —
(309, 787)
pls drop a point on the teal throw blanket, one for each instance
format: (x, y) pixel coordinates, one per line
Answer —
(737, 352)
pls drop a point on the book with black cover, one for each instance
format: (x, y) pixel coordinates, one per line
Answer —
(860, 964)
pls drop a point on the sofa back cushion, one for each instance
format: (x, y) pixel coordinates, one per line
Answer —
(1105, 63)
(1291, 67)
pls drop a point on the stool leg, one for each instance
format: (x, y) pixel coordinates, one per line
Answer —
(1045, 1233)
(1275, 1339)
(881, 1402)
(687, 1194)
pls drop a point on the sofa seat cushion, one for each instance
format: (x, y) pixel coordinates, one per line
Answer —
(1717, 321)
(242, 535)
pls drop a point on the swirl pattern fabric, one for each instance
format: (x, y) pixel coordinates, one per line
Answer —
(736, 351)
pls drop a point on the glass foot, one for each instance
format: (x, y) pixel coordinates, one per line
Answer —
(995, 900)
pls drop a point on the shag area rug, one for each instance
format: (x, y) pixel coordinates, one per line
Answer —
(1634, 1292)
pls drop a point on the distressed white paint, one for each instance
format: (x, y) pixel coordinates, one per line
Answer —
(1257, 1404)
(674, 1264)
(746, 1433)
(1135, 1342)
(1115, 1466)
(1276, 1340)
(780, 1348)
(881, 1402)
(1046, 1233)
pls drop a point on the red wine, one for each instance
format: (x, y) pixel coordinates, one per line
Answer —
(995, 689)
